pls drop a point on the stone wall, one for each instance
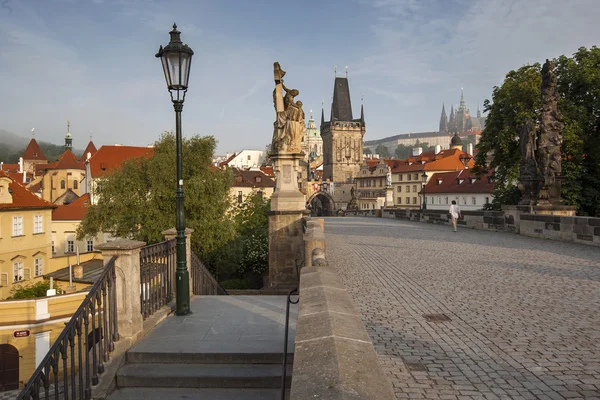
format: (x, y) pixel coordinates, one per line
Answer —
(286, 248)
(584, 230)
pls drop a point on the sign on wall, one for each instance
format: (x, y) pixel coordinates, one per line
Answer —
(22, 333)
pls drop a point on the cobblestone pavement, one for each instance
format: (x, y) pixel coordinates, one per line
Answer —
(525, 312)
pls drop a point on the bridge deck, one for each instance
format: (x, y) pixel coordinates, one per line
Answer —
(473, 314)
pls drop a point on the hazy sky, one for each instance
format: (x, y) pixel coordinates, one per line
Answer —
(93, 61)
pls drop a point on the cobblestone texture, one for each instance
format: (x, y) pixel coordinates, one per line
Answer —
(525, 312)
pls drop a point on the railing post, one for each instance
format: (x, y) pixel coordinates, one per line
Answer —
(127, 269)
(172, 234)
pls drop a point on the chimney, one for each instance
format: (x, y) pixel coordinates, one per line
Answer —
(78, 271)
(417, 151)
(438, 148)
(24, 177)
(470, 148)
(89, 155)
(20, 164)
(1, 164)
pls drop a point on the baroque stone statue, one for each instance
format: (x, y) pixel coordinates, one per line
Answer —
(388, 177)
(528, 182)
(549, 143)
(288, 128)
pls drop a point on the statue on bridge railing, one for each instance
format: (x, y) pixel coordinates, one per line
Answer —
(289, 123)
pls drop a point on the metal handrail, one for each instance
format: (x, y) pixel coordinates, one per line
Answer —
(203, 283)
(98, 309)
(158, 263)
(289, 301)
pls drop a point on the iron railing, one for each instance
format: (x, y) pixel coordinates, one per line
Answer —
(77, 357)
(203, 283)
(288, 303)
(158, 263)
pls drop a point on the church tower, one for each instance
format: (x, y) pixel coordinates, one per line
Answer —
(443, 120)
(452, 120)
(68, 137)
(342, 136)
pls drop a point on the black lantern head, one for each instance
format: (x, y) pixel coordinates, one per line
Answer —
(176, 59)
(424, 177)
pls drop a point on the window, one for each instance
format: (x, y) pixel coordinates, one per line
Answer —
(18, 271)
(414, 200)
(3, 280)
(70, 243)
(249, 157)
(399, 202)
(38, 266)
(415, 188)
(400, 177)
(416, 177)
(473, 200)
(407, 189)
(62, 184)
(408, 200)
(381, 182)
(260, 194)
(487, 200)
(38, 224)
(399, 189)
(464, 199)
(53, 242)
(240, 197)
(446, 199)
(75, 184)
(17, 226)
(409, 177)
(432, 202)
(90, 245)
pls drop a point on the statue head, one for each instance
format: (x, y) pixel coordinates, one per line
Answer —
(294, 92)
(299, 103)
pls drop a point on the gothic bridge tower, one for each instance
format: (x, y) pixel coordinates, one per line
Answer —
(342, 136)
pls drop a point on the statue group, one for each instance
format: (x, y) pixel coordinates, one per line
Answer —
(541, 166)
(288, 128)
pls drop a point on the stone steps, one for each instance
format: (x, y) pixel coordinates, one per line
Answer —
(149, 357)
(263, 376)
(190, 393)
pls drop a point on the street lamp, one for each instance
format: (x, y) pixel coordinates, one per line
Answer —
(424, 180)
(176, 59)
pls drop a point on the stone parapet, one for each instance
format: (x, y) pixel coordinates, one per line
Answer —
(584, 230)
(314, 238)
(286, 248)
(334, 357)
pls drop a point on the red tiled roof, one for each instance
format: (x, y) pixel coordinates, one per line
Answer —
(445, 160)
(226, 162)
(22, 198)
(248, 179)
(110, 157)
(72, 212)
(91, 148)
(268, 171)
(18, 176)
(66, 160)
(34, 152)
(463, 181)
(10, 167)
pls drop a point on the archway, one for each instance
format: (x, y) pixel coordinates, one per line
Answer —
(9, 367)
(321, 204)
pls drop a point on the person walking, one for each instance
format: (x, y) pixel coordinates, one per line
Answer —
(454, 213)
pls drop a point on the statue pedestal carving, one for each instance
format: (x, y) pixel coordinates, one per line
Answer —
(389, 197)
(287, 196)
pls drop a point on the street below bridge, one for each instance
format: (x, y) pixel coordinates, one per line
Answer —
(473, 314)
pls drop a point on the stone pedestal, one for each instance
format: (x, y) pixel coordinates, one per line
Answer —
(127, 267)
(288, 206)
(389, 197)
(287, 196)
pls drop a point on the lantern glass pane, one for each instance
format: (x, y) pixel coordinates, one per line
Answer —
(174, 70)
(186, 60)
(163, 60)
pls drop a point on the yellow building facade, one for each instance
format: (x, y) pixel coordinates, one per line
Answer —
(25, 235)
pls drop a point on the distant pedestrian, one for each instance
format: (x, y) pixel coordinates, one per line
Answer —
(454, 213)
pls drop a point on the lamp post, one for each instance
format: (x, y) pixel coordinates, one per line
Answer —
(176, 59)
(424, 180)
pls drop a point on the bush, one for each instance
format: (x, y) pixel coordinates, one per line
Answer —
(33, 290)
(237, 284)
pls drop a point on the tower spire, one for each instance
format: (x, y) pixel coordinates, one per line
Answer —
(362, 110)
(478, 111)
(346, 72)
(335, 71)
(32, 132)
(443, 120)
(462, 99)
(322, 112)
(68, 137)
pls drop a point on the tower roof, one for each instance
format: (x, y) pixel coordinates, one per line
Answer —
(342, 106)
(456, 140)
(91, 148)
(34, 152)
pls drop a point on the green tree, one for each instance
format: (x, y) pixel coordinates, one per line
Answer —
(367, 151)
(138, 200)
(33, 290)
(515, 101)
(382, 151)
(403, 152)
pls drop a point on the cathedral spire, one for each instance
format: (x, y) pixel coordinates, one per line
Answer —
(443, 120)
(362, 111)
(452, 120)
(322, 112)
(68, 137)
(462, 99)
(478, 111)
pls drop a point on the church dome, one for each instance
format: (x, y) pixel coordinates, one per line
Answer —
(456, 140)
